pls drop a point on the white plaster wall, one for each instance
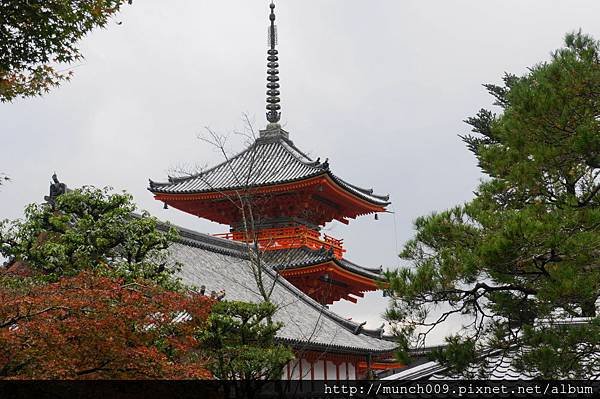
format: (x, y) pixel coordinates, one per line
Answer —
(351, 372)
(305, 369)
(294, 370)
(319, 370)
(342, 371)
(331, 376)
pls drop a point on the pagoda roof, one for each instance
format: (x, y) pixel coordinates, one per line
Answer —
(288, 259)
(272, 159)
(220, 264)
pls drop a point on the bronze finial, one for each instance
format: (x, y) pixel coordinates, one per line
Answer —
(56, 189)
(273, 107)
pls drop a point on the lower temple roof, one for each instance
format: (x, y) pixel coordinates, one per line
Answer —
(221, 264)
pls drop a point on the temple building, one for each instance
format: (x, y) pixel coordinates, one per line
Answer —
(276, 200)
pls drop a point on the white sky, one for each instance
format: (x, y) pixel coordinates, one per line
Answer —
(379, 87)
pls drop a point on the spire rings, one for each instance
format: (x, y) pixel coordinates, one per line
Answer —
(273, 107)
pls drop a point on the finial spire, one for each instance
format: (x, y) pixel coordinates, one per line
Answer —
(273, 106)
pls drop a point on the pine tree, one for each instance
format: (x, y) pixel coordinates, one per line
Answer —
(241, 339)
(524, 255)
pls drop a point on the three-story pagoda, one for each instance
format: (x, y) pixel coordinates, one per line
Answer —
(276, 197)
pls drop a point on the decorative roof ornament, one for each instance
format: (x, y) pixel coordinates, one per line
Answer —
(56, 189)
(273, 107)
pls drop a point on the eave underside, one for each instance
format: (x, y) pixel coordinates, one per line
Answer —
(269, 161)
(322, 276)
(318, 200)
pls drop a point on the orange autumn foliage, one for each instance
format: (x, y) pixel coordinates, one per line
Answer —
(93, 327)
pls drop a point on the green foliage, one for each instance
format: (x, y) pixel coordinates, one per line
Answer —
(459, 352)
(18, 284)
(557, 350)
(242, 337)
(524, 254)
(37, 35)
(90, 228)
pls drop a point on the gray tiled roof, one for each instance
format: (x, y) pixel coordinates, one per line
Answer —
(268, 161)
(220, 264)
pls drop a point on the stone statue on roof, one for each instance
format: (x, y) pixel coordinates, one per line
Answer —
(56, 188)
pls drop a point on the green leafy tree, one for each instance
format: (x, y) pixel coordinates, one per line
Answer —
(241, 337)
(90, 228)
(38, 36)
(524, 254)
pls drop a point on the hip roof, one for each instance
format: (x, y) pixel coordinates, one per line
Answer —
(268, 161)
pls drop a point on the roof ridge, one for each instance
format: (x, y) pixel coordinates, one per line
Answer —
(289, 146)
(298, 150)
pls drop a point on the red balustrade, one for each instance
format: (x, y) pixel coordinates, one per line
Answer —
(287, 238)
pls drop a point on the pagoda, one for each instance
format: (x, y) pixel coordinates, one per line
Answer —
(278, 199)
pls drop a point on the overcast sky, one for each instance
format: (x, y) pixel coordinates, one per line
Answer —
(379, 87)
